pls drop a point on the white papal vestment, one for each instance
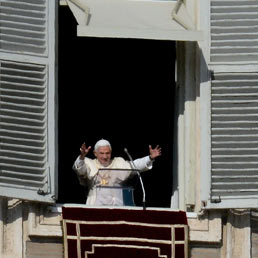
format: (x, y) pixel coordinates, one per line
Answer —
(88, 169)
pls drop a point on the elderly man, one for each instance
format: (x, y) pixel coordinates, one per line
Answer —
(98, 174)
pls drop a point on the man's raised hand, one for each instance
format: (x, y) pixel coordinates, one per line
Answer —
(154, 153)
(84, 150)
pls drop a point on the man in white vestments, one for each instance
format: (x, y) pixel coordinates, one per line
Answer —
(98, 174)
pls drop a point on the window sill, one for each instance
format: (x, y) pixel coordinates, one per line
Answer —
(47, 222)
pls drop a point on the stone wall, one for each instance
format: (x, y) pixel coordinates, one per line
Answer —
(31, 230)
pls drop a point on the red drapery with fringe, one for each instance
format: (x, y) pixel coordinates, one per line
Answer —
(124, 232)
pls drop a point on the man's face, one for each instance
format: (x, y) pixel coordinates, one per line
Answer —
(103, 154)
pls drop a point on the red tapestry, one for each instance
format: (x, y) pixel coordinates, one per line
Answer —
(124, 232)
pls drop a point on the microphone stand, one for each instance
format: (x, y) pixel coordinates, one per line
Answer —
(139, 175)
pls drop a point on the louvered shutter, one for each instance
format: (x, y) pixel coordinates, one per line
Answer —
(27, 92)
(234, 127)
(234, 31)
(234, 104)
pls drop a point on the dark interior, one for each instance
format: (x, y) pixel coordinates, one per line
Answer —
(121, 90)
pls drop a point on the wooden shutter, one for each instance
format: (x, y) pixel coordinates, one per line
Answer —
(234, 127)
(234, 31)
(24, 26)
(234, 104)
(161, 20)
(27, 107)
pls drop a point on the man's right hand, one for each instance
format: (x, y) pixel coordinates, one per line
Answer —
(84, 150)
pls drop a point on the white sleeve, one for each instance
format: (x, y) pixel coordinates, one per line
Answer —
(80, 166)
(144, 163)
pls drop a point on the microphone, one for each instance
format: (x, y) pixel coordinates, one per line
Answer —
(139, 175)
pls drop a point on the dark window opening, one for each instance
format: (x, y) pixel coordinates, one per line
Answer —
(121, 90)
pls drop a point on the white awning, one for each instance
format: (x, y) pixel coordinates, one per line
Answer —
(147, 19)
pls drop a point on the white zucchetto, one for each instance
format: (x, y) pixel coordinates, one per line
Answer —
(102, 143)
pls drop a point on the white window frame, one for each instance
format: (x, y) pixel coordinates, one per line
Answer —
(186, 33)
